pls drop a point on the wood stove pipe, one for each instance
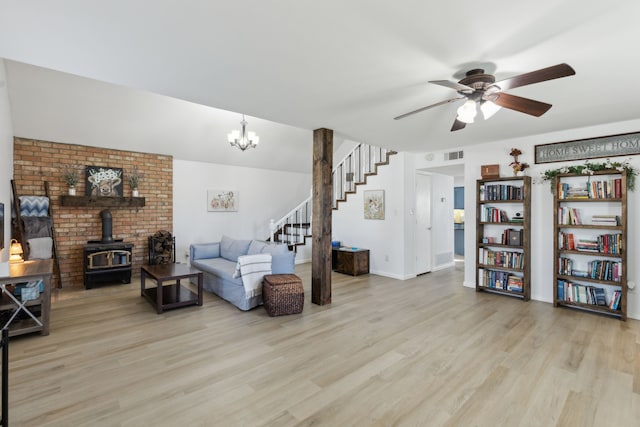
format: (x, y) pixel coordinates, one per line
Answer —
(107, 226)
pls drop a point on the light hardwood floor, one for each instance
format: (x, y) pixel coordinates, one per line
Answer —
(421, 352)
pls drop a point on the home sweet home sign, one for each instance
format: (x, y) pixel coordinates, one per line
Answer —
(607, 146)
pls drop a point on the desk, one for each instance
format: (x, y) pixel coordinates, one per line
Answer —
(25, 272)
(173, 295)
(350, 261)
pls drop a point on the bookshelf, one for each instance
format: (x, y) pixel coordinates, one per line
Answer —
(503, 236)
(590, 237)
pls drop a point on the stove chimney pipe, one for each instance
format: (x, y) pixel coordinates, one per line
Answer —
(106, 226)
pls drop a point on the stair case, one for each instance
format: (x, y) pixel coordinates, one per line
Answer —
(363, 161)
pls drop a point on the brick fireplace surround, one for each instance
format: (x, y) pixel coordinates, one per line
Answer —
(37, 161)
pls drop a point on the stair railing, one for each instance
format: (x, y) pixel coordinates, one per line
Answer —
(352, 170)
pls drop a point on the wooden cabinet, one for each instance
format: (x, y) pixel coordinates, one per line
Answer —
(350, 261)
(31, 316)
(503, 236)
(590, 242)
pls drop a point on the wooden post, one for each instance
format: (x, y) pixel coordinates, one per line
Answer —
(321, 220)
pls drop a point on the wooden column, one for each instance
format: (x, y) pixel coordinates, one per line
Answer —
(321, 219)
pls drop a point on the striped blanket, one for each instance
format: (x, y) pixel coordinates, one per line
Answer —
(252, 268)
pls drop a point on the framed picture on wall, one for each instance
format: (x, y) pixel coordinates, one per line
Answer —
(222, 200)
(103, 181)
(374, 204)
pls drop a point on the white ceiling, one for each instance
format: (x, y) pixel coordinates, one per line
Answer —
(350, 66)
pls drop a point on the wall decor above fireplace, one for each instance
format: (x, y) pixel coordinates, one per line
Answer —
(103, 181)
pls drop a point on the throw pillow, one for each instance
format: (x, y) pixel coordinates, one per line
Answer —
(40, 248)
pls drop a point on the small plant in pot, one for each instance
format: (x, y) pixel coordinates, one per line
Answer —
(71, 177)
(134, 181)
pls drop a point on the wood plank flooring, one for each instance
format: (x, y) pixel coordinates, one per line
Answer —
(421, 352)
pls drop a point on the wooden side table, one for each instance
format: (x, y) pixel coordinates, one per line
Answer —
(173, 295)
(350, 261)
(24, 272)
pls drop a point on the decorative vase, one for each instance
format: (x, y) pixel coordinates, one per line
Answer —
(520, 173)
(134, 192)
(72, 190)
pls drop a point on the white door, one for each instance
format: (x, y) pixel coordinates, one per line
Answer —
(423, 223)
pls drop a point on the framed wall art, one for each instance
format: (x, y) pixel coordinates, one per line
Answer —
(222, 200)
(103, 181)
(374, 204)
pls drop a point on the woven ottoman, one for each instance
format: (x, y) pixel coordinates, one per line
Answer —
(282, 294)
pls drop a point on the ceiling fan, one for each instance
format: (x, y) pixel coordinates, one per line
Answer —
(480, 89)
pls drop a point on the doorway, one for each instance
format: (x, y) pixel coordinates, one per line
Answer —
(423, 223)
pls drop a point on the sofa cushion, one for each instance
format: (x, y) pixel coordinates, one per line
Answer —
(219, 267)
(262, 247)
(255, 247)
(283, 263)
(205, 250)
(231, 249)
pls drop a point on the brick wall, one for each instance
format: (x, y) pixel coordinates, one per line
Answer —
(37, 161)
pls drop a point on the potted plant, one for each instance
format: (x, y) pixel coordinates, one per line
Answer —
(71, 177)
(134, 181)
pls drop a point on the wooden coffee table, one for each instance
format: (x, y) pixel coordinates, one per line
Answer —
(171, 295)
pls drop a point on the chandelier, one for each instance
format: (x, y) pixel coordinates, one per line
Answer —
(243, 139)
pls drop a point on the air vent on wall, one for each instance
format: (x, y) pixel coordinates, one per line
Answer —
(454, 155)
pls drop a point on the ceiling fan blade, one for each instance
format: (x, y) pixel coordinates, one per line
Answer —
(523, 105)
(453, 85)
(457, 125)
(427, 107)
(542, 75)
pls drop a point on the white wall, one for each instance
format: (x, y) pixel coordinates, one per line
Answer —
(542, 262)
(384, 238)
(263, 195)
(6, 158)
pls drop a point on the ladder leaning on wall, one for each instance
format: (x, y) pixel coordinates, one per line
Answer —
(22, 233)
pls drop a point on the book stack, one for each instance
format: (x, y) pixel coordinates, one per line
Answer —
(506, 259)
(589, 245)
(565, 191)
(569, 216)
(565, 266)
(614, 304)
(512, 237)
(610, 189)
(515, 283)
(608, 220)
(572, 292)
(500, 192)
(493, 279)
(566, 241)
(491, 214)
(610, 243)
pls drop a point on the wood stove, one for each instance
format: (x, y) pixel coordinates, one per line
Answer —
(107, 260)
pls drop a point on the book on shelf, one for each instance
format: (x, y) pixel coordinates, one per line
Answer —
(583, 294)
(608, 220)
(569, 216)
(515, 283)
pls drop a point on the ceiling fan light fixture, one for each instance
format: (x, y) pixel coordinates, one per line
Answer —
(467, 111)
(488, 109)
